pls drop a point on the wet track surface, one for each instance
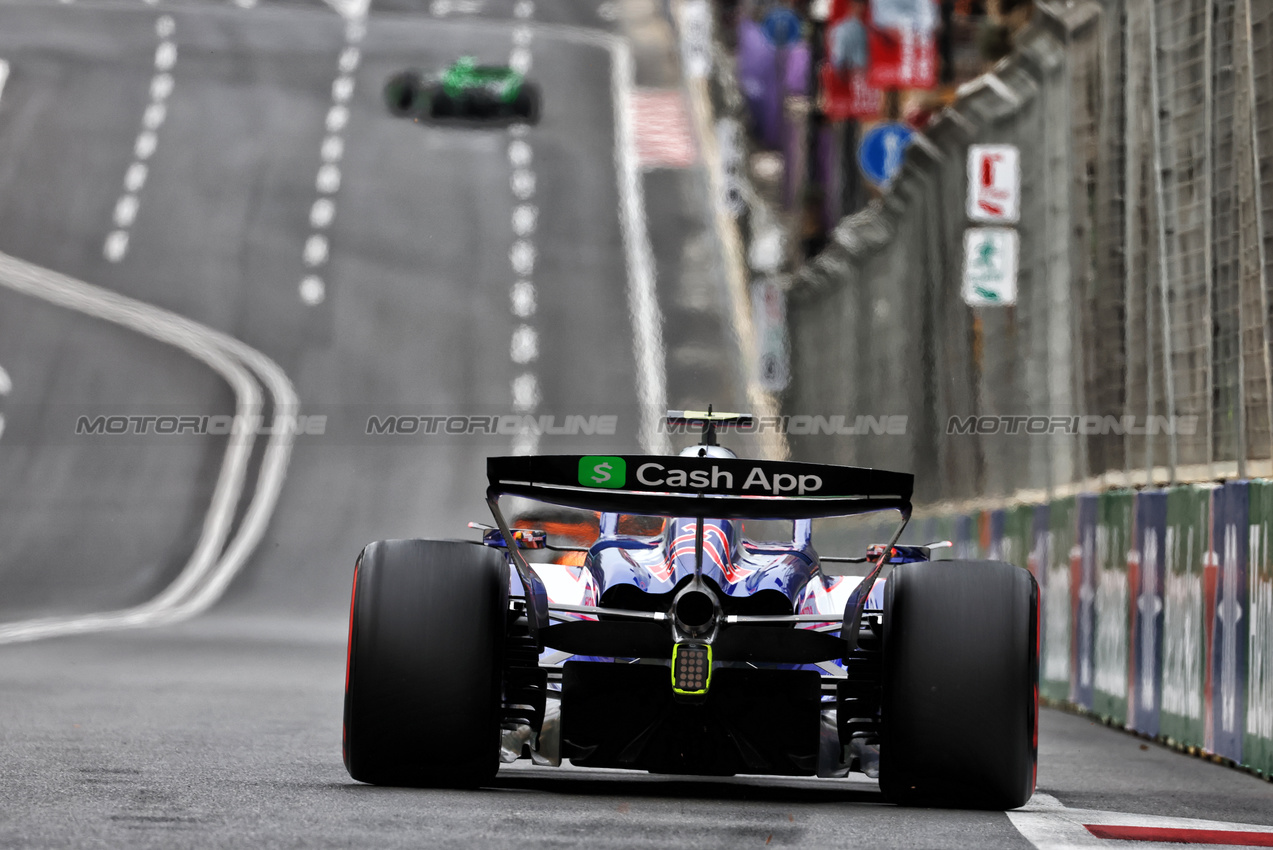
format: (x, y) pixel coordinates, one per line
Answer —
(224, 731)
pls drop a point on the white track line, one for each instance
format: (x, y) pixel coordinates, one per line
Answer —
(317, 250)
(643, 304)
(115, 248)
(350, 9)
(4, 75)
(209, 569)
(523, 349)
(442, 8)
(6, 386)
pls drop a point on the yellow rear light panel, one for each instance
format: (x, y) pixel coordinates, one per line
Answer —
(691, 668)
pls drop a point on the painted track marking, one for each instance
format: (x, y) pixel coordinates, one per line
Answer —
(1177, 835)
(523, 299)
(525, 345)
(317, 249)
(663, 138)
(352, 10)
(442, 8)
(523, 348)
(4, 76)
(115, 248)
(643, 304)
(6, 386)
(216, 558)
(1049, 825)
(525, 219)
(643, 307)
(525, 393)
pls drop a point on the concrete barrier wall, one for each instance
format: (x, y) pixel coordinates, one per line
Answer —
(1157, 606)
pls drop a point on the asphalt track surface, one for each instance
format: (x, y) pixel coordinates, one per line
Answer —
(224, 730)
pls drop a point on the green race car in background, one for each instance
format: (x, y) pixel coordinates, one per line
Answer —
(465, 90)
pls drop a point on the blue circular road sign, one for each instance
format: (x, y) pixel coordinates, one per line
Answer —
(782, 27)
(882, 152)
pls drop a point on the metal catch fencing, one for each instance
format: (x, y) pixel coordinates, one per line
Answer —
(1138, 350)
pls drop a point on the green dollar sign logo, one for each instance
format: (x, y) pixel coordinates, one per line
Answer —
(601, 471)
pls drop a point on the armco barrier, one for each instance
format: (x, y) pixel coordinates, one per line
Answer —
(1157, 607)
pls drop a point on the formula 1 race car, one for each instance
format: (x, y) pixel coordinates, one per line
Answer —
(465, 90)
(686, 638)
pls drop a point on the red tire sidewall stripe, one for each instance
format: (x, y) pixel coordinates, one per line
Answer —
(349, 661)
(349, 646)
(1034, 664)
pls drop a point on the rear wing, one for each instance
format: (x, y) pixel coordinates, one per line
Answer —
(720, 488)
(715, 487)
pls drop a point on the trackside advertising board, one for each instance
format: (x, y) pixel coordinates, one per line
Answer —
(965, 537)
(1114, 529)
(990, 534)
(1225, 591)
(922, 529)
(1164, 597)
(1040, 544)
(1014, 543)
(1257, 745)
(1058, 608)
(1146, 566)
(933, 528)
(1184, 641)
(1083, 596)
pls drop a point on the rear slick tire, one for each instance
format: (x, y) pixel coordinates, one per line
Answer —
(526, 104)
(402, 94)
(427, 622)
(959, 714)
